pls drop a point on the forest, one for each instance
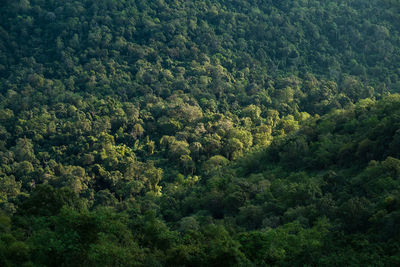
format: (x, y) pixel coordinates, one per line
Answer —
(199, 133)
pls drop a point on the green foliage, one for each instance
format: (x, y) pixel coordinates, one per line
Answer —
(199, 133)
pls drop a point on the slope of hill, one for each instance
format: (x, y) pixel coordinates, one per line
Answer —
(199, 133)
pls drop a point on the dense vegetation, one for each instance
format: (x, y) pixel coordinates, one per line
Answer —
(199, 133)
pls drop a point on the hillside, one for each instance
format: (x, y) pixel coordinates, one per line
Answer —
(199, 133)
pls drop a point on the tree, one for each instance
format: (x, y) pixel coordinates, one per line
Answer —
(137, 131)
(187, 164)
(178, 149)
(23, 150)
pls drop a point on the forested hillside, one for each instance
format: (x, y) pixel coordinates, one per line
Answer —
(199, 133)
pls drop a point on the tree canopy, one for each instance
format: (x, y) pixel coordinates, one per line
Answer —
(199, 133)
